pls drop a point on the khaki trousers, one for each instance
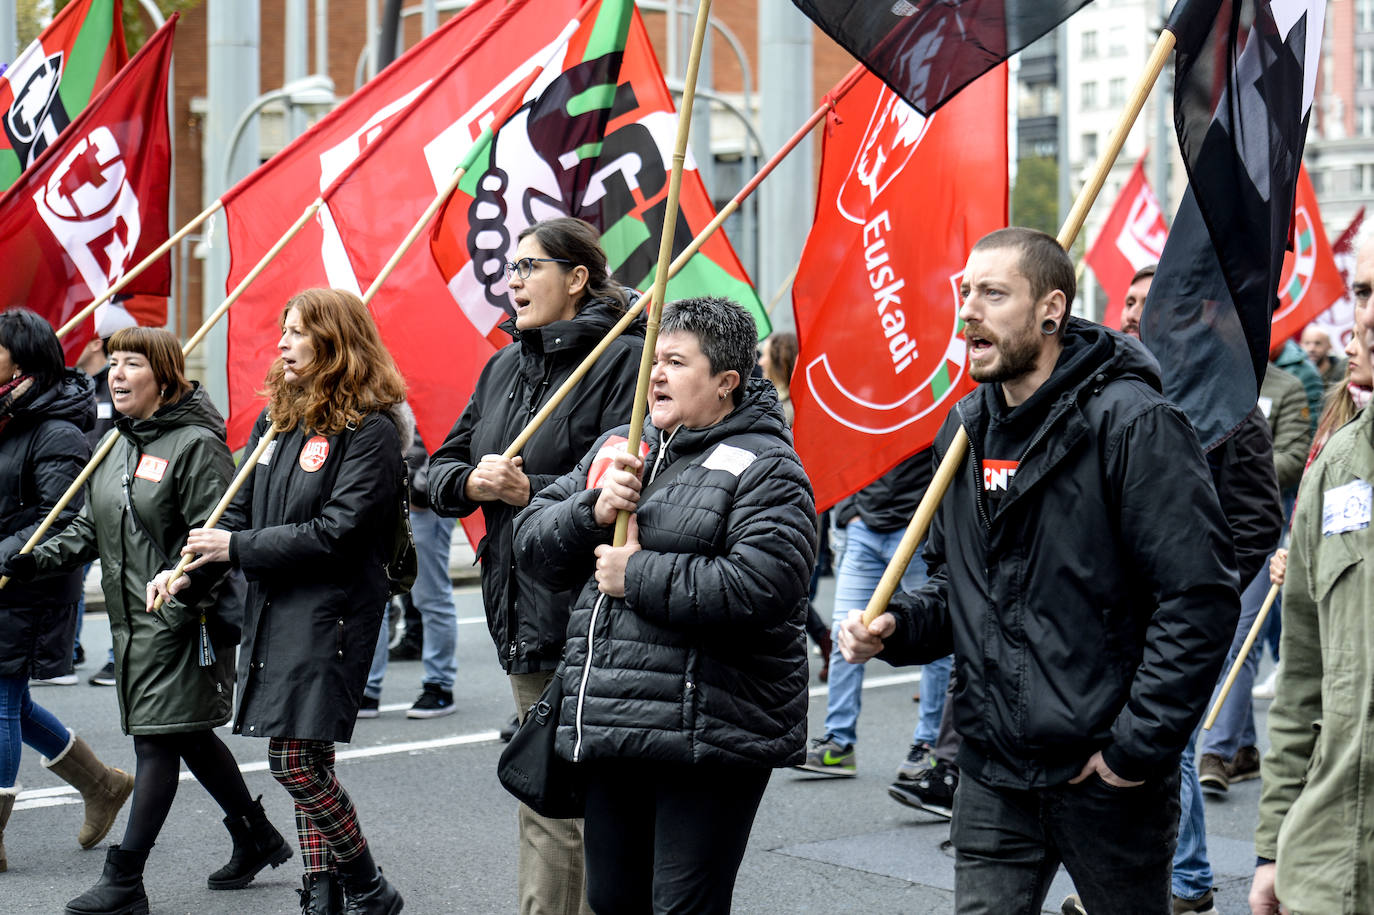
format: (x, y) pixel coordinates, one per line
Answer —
(549, 875)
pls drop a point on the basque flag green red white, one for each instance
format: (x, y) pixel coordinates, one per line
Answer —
(54, 79)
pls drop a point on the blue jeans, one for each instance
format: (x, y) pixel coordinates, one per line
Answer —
(1235, 724)
(433, 598)
(1192, 871)
(1115, 843)
(23, 722)
(866, 555)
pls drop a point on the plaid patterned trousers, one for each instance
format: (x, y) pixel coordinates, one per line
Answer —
(326, 820)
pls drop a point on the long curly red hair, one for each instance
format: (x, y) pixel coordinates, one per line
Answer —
(352, 374)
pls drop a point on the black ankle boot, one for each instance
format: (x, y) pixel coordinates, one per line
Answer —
(256, 845)
(320, 894)
(119, 891)
(365, 890)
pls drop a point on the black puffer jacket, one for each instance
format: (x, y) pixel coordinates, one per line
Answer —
(42, 449)
(704, 659)
(312, 537)
(1093, 610)
(527, 620)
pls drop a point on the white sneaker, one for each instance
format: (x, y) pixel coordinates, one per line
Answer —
(64, 680)
(1265, 688)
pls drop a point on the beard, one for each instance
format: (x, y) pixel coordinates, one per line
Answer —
(1017, 355)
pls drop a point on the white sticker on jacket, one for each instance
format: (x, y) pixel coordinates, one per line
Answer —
(266, 456)
(1266, 404)
(151, 468)
(1346, 508)
(728, 457)
(103, 410)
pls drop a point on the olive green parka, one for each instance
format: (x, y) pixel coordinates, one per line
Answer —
(171, 468)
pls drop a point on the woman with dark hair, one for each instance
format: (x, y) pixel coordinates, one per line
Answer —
(565, 302)
(173, 676)
(312, 529)
(44, 412)
(684, 678)
(778, 359)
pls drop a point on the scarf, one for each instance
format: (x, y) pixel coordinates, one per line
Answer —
(11, 393)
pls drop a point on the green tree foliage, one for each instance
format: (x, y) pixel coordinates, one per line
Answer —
(1035, 198)
(34, 14)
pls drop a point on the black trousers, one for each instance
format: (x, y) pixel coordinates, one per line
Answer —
(667, 837)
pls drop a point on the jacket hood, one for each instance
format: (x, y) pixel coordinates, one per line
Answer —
(71, 399)
(760, 413)
(582, 331)
(195, 409)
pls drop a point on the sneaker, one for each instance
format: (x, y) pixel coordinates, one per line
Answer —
(828, 757)
(370, 708)
(916, 762)
(434, 702)
(1211, 773)
(1244, 766)
(1073, 905)
(1202, 906)
(932, 791)
(105, 676)
(1265, 688)
(509, 728)
(64, 680)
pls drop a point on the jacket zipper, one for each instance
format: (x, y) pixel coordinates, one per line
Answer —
(591, 628)
(974, 468)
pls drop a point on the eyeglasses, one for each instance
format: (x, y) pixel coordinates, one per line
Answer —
(525, 266)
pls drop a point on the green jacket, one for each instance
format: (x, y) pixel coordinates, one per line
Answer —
(162, 687)
(1284, 404)
(1315, 816)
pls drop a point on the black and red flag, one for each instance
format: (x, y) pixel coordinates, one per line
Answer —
(927, 50)
(1245, 73)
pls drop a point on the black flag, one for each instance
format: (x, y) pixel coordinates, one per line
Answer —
(1245, 72)
(927, 50)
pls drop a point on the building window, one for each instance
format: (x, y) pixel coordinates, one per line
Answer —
(1364, 15)
(1366, 68)
(1089, 146)
(1089, 45)
(1089, 94)
(1364, 179)
(1116, 92)
(1366, 119)
(1116, 41)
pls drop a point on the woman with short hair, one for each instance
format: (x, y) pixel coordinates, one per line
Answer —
(174, 668)
(44, 412)
(685, 673)
(312, 529)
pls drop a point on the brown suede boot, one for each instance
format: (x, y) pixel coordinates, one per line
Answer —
(7, 796)
(103, 788)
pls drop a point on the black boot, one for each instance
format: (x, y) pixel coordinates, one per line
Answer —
(321, 894)
(365, 890)
(256, 845)
(119, 891)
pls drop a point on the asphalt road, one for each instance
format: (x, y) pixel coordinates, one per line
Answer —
(444, 830)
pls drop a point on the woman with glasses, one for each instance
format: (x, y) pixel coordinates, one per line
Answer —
(565, 302)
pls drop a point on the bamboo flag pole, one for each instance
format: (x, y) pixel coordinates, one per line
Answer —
(958, 447)
(142, 265)
(1249, 643)
(842, 87)
(186, 348)
(665, 252)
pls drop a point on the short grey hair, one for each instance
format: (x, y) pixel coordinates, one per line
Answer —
(725, 331)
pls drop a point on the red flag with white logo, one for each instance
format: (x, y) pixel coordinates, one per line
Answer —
(94, 204)
(902, 199)
(1310, 282)
(1131, 238)
(379, 159)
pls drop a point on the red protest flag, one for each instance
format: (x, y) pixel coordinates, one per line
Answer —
(54, 78)
(373, 159)
(1131, 238)
(94, 204)
(1310, 282)
(902, 198)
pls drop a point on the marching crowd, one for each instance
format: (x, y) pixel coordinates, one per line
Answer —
(1085, 578)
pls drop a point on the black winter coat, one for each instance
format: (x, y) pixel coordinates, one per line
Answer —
(527, 621)
(704, 659)
(42, 449)
(313, 546)
(1094, 609)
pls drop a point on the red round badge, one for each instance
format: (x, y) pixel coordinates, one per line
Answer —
(314, 453)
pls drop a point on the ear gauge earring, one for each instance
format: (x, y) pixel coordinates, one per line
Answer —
(1049, 326)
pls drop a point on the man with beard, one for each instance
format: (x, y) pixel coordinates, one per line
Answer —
(1134, 306)
(1084, 577)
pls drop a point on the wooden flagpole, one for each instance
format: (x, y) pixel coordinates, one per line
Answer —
(1249, 643)
(142, 265)
(665, 252)
(958, 447)
(842, 87)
